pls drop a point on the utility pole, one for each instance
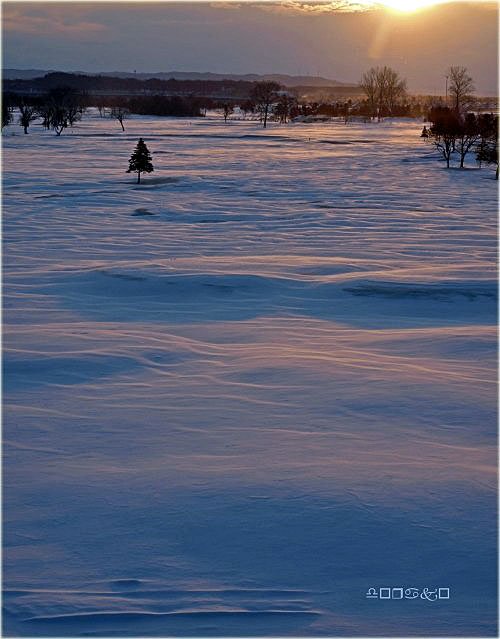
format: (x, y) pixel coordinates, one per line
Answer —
(446, 99)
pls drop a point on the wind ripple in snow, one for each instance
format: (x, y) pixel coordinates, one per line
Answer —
(245, 391)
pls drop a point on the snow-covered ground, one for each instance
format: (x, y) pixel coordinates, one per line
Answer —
(242, 393)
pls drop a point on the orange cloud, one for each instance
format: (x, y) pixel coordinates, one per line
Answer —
(16, 20)
(327, 6)
(311, 7)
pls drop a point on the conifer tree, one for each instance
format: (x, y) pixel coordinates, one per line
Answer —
(140, 160)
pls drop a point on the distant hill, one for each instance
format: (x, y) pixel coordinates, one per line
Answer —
(23, 74)
(285, 80)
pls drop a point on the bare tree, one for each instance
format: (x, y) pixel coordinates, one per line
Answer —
(247, 106)
(6, 115)
(346, 110)
(461, 87)
(27, 114)
(119, 113)
(488, 153)
(62, 108)
(58, 119)
(392, 89)
(445, 129)
(488, 132)
(45, 112)
(369, 85)
(284, 108)
(264, 94)
(227, 109)
(468, 136)
(100, 103)
(384, 89)
(7, 108)
(74, 111)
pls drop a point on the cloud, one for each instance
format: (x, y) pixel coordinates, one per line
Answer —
(230, 4)
(52, 21)
(299, 7)
(312, 7)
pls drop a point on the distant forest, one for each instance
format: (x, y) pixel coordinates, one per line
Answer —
(155, 96)
(108, 85)
(60, 99)
(227, 89)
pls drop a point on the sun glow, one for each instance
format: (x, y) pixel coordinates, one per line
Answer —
(408, 6)
(353, 6)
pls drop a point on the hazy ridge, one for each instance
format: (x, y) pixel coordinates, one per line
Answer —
(287, 80)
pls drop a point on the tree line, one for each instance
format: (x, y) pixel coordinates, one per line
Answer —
(454, 133)
(111, 84)
(456, 130)
(58, 109)
(63, 106)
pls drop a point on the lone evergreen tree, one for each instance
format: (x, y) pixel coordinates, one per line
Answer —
(140, 160)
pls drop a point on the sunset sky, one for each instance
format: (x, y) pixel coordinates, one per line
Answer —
(338, 40)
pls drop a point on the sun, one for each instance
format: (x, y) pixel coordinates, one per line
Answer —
(408, 6)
